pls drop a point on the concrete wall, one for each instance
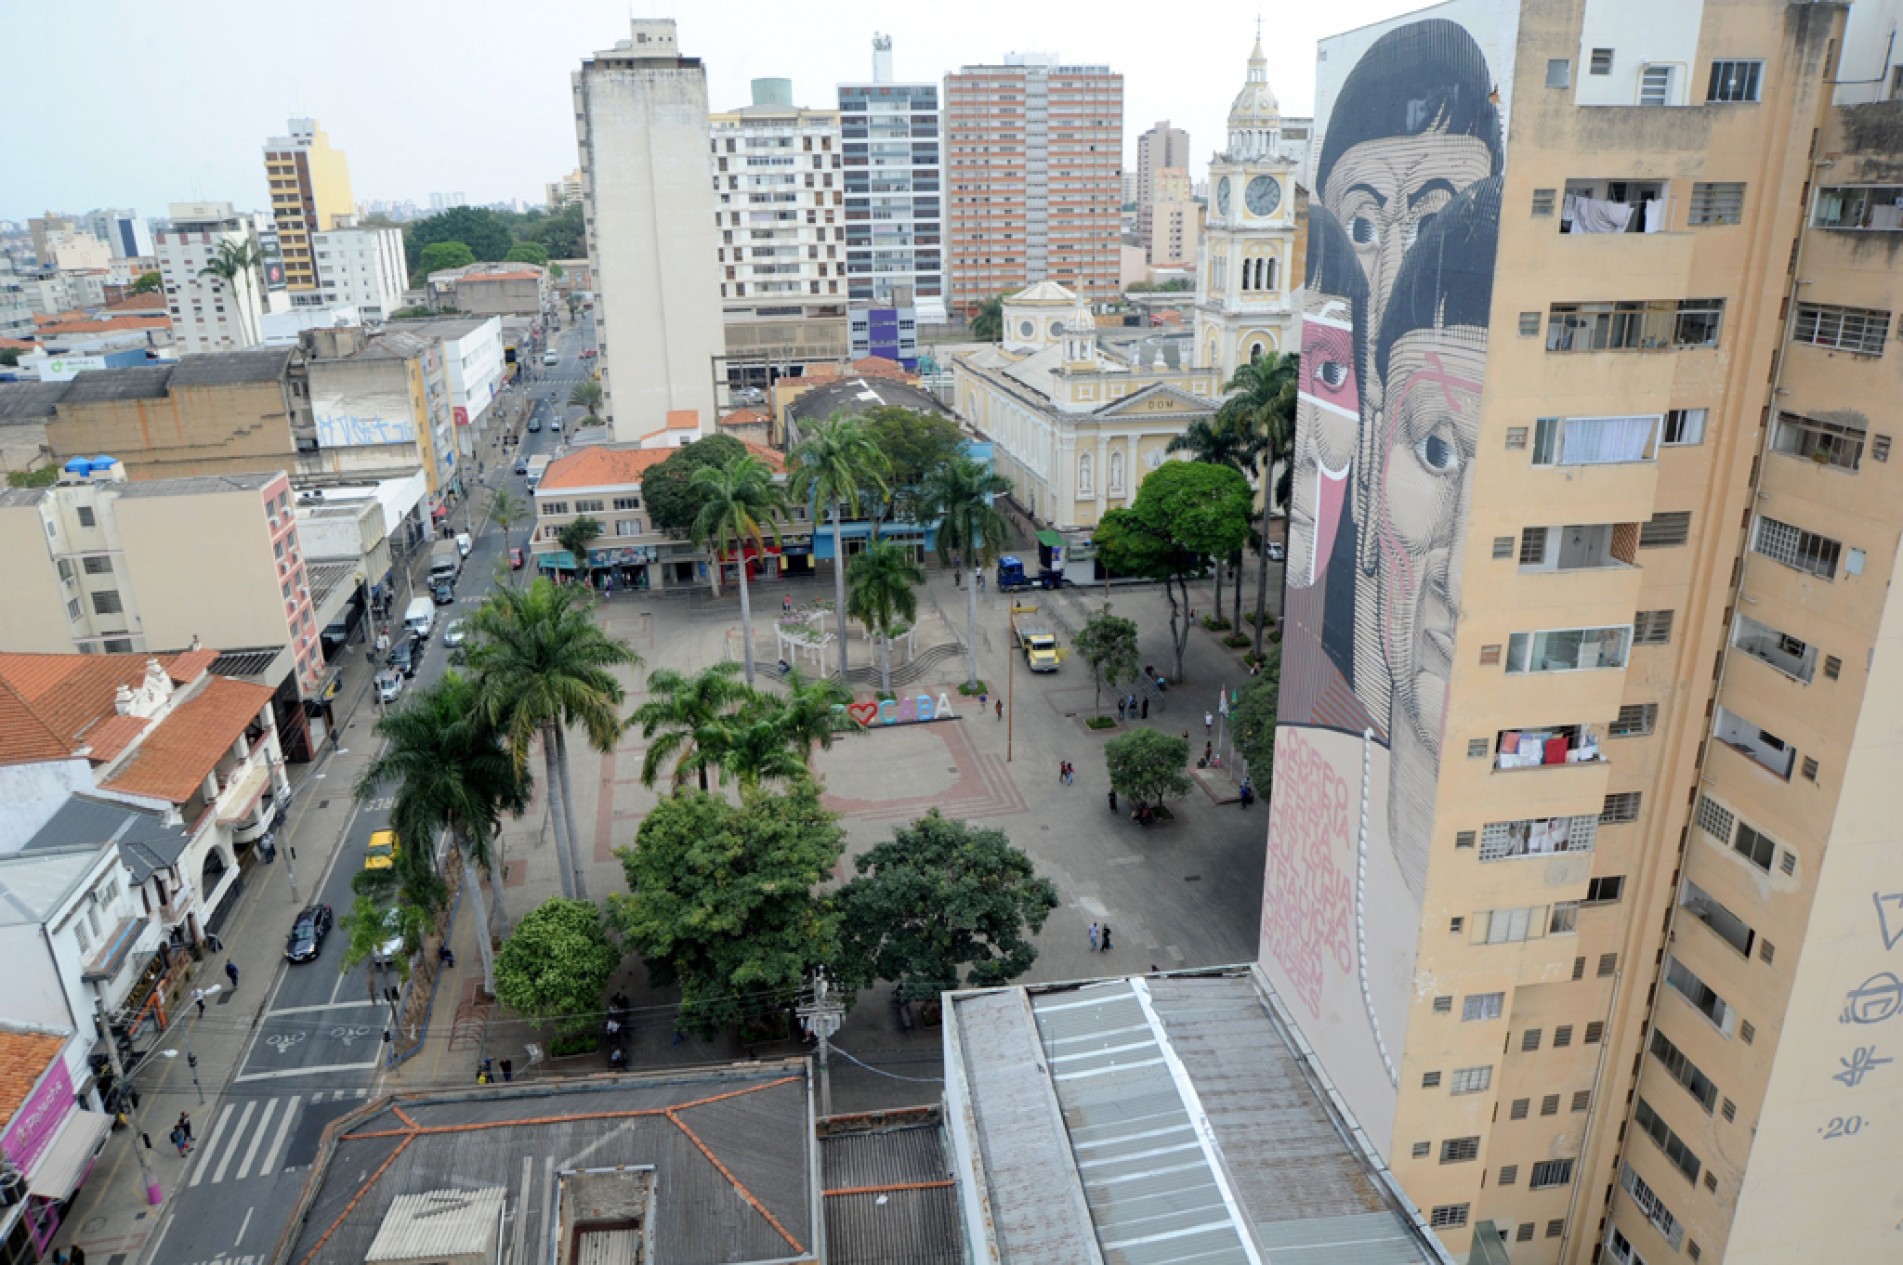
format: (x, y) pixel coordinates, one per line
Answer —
(204, 568)
(239, 429)
(33, 618)
(31, 793)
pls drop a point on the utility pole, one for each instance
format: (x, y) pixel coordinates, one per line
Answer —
(822, 1016)
(154, 1193)
(1010, 677)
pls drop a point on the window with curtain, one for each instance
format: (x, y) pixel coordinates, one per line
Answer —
(1583, 441)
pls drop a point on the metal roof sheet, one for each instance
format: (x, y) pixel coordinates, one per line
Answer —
(439, 1223)
(889, 1198)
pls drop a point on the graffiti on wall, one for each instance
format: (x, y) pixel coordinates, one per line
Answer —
(359, 430)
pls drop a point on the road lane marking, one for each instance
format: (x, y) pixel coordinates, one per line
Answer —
(331, 1005)
(273, 1156)
(217, 1131)
(257, 1139)
(289, 1072)
(224, 1164)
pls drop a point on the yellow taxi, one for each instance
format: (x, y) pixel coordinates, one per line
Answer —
(381, 854)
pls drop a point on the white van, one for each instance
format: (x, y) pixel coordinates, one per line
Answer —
(419, 618)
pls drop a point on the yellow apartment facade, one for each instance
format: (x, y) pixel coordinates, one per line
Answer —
(310, 192)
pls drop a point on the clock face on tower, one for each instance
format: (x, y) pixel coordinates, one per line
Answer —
(1222, 197)
(1263, 195)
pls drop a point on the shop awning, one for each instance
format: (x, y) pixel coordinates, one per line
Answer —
(57, 1175)
(1050, 538)
(112, 955)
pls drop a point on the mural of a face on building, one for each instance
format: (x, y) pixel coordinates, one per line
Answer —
(1328, 399)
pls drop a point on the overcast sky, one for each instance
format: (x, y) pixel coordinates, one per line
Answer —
(149, 104)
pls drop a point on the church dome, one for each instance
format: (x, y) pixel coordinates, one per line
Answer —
(1255, 117)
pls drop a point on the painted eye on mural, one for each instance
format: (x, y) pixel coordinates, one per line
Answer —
(1437, 453)
(1333, 374)
(1418, 229)
(1363, 231)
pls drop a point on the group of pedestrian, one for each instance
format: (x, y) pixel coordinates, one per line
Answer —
(1100, 937)
(1133, 708)
(182, 1134)
(1065, 772)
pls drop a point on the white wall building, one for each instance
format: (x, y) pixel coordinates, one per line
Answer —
(207, 314)
(364, 267)
(472, 367)
(641, 123)
(895, 200)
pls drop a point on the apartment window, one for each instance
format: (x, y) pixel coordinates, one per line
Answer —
(1579, 968)
(1716, 202)
(1478, 748)
(1448, 1216)
(1593, 441)
(1459, 1150)
(1729, 1110)
(1702, 997)
(1516, 435)
(106, 602)
(1683, 426)
(1605, 889)
(627, 527)
(1715, 819)
(1754, 846)
(1565, 918)
(1621, 806)
(1502, 548)
(1524, 1234)
(1711, 911)
(1873, 207)
(1559, 72)
(1668, 527)
(1443, 1005)
(1519, 1108)
(627, 502)
(1796, 548)
(1824, 443)
(1471, 1080)
(1833, 667)
(1788, 863)
(1733, 81)
(554, 507)
(1601, 63)
(1568, 649)
(1654, 1209)
(1530, 1040)
(1509, 1174)
(1421, 1150)
(85, 515)
(1557, 1226)
(1666, 1140)
(72, 609)
(1548, 1173)
(1536, 836)
(1749, 739)
(1549, 1105)
(1543, 201)
(1562, 1036)
(1747, 1032)
(1793, 657)
(1854, 329)
(1635, 720)
(1809, 769)
(1508, 926)
(1594, 1031)
(1480, 1006)
(1582, 1100)
(1430, 1080)
(1529, 326)
(97, 564)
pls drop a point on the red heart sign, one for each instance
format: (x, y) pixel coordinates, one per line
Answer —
(863, 712)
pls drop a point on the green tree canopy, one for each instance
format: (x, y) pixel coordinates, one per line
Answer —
(587, 395)
(940, 897)
(485, 232)
(1108, 643)
(528, 253)
(1148, 765)
(1252, 719)
(147, 282)
(562, 234)
(439, 256)
(721, 900)
(556, 964)
(883, 598)
(576, 535)
(667, 489)
(987, 323)
(679, 711)
(914, 442)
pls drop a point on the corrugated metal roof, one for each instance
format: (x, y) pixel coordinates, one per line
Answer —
(888, 1198)
(30, 401)
(146, 842)
(441, 1223)
(227, 368)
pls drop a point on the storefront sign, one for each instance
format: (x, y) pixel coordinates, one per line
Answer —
(912, 709)
(38, 1121)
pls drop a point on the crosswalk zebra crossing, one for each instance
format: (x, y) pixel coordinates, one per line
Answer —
(251, 1138)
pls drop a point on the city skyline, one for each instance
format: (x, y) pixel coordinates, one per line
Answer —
(507, 130)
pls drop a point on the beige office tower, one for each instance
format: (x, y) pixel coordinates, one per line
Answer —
(1583, 878)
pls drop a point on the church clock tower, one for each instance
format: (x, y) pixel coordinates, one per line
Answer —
(1245, 288)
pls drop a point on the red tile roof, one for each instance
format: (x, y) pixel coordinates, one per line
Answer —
(52, 706)
(111, 325)
(608, 467)
(24, 1058)
(173, 761)
(744, 417)
(151, 301)
(683, 419)
(18, 344)
(522, 275)
(880, 367)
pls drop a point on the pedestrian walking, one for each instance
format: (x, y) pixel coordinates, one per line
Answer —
(77, 1256)
(1209, 751)
(1133, 703)
(1113, 799)
(1106, 937)
(508, 1070)
(981, 581)
(185, 1124)
(1093, 937)
(231, 973)
(1209, 723)
(984, 699)
(786, 602)
(198, 999)
(1146, 708)
(1123, 705)
(1070, 774)
(183, 1143)
(1000, 709)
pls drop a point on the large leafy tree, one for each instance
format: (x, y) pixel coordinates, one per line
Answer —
(836, 467)
(754, 744)
(442, 256)
(914, 442)
(740, 505)
(943, 904)
(1219, 440)
(562, 234)
(369, 926)
(485, 232)
(556, 964)
(528, 253)
(1148, 765)
(1262, 413)
(722, 900)
(1186, 512)
(679, 710)
(147, 283)
(987, 323)
(971, 531)
(1108, 643)
(235, 266)
(1252, 719)
(884, 596)
(667, 489)
(543, 666)
(809, 712)
(576, 535)
(452, 773)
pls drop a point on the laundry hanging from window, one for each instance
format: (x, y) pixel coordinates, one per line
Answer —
(1582, 214)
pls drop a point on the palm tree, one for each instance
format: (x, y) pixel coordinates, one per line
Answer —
(1218, 440)
(883, 577)
(739, 503)
(987, 323)
(543, 665)
(808, 712)
(833, 467)
(1263, 412)
(586, 395)
(576, 536)
(970, 528)
(232, 263)
(452, 773)
(754, 744)
(679, 710)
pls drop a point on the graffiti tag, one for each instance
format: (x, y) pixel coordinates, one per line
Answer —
(1305, 915)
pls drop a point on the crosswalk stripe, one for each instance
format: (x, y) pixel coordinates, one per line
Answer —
(238, 1132)
(257, 1139)
(217, 1131)
(276, 1153)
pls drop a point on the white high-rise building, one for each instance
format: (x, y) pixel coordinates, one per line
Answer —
(363, 267)
(209, 313)
(895, 195)
(647, 187)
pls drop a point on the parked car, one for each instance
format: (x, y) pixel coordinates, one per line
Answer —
(389, 685)
(515, 557)
(443, 593)
(403, 657)
(454, 633)
(1276, 552)
(306, 940)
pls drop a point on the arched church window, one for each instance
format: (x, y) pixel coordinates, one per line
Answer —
(1268, 276)
(1255, 352)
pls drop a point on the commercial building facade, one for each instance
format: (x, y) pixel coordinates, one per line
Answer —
(894, 185)
(209, 313)
(1579, 868)
(1032, 155)
(310, 193)
(1161, 148)
(362, 267)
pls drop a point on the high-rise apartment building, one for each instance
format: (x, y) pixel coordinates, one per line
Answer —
(310, 191)
(1161, 148)
(648, 200)
(780, 210)
(564, 192)
(1581, 874)
(124, 232)
(894, 176)
(209, 312)
(1032, 155)
(364, 267)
